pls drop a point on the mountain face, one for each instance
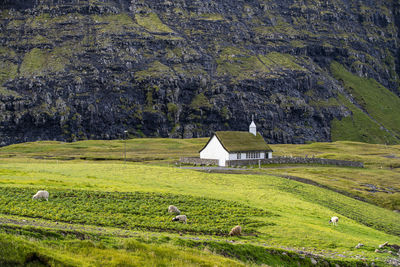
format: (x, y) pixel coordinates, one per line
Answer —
(307, 70)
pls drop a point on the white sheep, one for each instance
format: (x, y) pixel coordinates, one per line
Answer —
(359, 245)
(237, 230)
(334, 220)
(41, 194)
(173, 209)
(180, 218)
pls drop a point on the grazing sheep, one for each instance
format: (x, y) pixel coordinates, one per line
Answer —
(334, 220)
(384, 244)
(359, 245)
(237, 230)
(173, 209)
(41, 194)
(180, 218)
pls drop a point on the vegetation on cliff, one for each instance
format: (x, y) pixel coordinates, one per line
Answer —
(375, 110)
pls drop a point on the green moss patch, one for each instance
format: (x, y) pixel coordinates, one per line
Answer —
(200, 101)
(242, 64)
(41, 61)
(151, 22)
(6, 52)
(235, 141)
(8, 70)
(276, 60)
(41, 21)
(154, 69)
(39, 39)
(116, 24)
(7, 92)
(281, 27)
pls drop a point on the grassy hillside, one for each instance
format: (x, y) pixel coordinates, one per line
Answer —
(109, 212)
(377, 183)
(376, 120)
(50, 248)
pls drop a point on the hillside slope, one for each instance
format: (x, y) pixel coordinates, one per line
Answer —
(89, 69)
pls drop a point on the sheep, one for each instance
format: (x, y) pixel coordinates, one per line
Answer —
(180, 218)
(359, 245)
(41, 194)
(384, 244)
(334, 220)
(237, 230)
(173, 209)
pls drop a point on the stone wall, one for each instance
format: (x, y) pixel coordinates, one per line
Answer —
(295, 160)
(199, 161)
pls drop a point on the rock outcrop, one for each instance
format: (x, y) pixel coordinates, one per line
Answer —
(90, 69)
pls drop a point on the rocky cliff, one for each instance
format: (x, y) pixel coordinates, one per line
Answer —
(308, 70)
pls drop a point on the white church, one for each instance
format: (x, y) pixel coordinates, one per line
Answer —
(233, 145)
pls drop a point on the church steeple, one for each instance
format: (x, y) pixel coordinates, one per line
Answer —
(252, 127)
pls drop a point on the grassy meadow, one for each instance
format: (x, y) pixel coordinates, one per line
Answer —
(104, 211)
(377, 183)
(139, 150)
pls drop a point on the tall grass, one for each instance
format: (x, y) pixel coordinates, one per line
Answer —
(19, 251)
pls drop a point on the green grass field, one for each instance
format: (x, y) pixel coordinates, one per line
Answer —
(155, 149)
(102, 211)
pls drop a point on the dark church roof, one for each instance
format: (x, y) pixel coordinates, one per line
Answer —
(234, 141)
